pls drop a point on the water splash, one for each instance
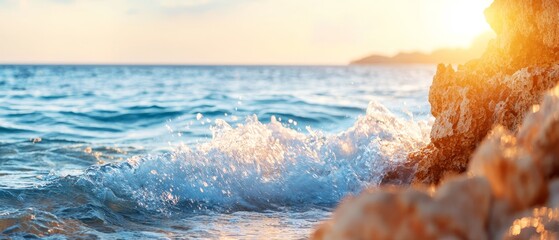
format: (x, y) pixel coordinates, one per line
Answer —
(256, 166)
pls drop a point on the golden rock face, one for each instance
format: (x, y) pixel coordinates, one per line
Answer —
(497, 89)
(497, 128)
(511, 191)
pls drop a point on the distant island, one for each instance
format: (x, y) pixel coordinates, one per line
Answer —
(444, 55)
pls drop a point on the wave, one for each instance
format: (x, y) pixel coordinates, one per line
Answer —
(256, 166)
(10, 129)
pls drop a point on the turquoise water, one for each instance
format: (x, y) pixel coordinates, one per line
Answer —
(242, 152)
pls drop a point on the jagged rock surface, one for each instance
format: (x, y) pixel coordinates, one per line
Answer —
(490, 128)
(509, 192)
(497, 89)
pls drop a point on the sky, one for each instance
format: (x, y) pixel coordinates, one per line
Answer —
(231, 31)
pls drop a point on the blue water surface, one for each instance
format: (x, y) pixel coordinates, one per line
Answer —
(236, 152)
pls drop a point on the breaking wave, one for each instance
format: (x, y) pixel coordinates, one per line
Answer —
(256, 166)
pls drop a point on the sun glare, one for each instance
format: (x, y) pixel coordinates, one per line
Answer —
(191, 31)
(465, 18)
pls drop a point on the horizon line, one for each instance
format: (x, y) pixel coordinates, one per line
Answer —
(165, 64)
(2, 64)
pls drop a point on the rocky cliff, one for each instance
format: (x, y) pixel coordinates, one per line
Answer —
(496, 132)
(497, 89)
(511, 191)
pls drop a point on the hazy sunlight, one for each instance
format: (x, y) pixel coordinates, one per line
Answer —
(231, 32)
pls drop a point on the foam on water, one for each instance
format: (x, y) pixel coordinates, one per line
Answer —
(85, 153)
(256, 166)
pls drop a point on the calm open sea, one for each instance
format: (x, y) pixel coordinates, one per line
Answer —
(241, 152)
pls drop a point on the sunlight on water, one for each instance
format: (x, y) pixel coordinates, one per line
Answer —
(258, 166)
(200, 152)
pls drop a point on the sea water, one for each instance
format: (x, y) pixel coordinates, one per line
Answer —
(218, 152)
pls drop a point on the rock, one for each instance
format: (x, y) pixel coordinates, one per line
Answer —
(509, 176)
(553, 189)
(511, 191)
(497, 89)
(539, 134)
(513, 174)
(458, 210)
(495, 127)
(536, 223)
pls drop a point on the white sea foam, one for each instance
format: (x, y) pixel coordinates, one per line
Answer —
(262, 166)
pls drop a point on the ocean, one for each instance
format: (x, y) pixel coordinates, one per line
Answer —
(211, 152)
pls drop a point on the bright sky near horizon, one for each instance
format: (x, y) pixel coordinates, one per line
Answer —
(231, 31)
